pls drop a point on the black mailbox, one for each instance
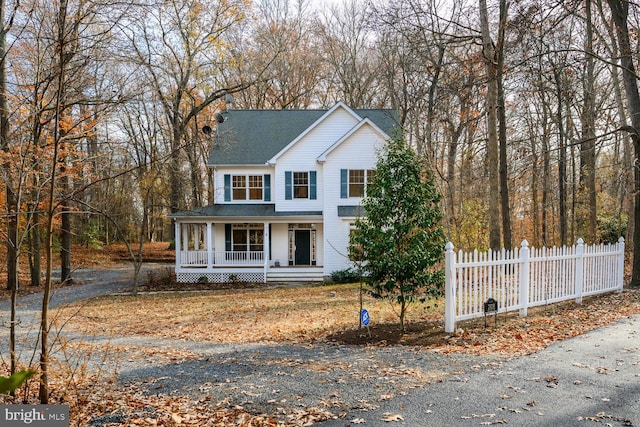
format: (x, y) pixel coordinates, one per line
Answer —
(491, 306)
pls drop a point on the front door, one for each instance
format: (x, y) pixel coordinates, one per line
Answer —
(303, 247)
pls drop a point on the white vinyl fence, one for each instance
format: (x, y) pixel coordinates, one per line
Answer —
(527, 277)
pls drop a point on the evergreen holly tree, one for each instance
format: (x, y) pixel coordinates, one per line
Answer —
(400, 241)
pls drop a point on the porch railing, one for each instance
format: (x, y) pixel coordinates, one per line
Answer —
(239, 257)
(200, 258)
(193, 258)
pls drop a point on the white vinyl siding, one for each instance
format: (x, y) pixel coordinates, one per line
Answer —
(358, 152)
(302, 157)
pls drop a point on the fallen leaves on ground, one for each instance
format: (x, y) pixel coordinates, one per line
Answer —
(303, 314)
(105, 402)
(293, 314)
(389, 417)
(601, 416)
(515, 335)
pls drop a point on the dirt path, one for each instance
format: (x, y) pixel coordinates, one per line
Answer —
(88, 283)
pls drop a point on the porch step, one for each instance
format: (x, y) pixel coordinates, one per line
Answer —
(295, 275)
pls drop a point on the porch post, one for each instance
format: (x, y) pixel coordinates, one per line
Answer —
(265, 249)
(209, 243)
(185, 238)
(178, 227)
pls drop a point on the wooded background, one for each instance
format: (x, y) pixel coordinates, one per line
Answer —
(524, 110)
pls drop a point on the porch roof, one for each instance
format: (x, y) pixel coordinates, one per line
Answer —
(254, 210)
(350, 211)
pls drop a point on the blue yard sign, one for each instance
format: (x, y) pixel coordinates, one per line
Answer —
(364, 317)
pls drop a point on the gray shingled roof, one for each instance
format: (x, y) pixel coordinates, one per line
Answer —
(252, 137)
(240, 211)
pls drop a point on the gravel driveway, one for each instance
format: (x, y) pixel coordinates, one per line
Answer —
(280, 378)
(587, 380)
(591, 379)
(89, 283)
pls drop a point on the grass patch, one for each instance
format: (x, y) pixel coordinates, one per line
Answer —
(331, 313)
(238, 316)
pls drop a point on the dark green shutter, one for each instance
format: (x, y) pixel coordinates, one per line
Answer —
(312, 185)
(270, 240)
(288, 186)
(344, 183)
(267, 188)
(227, 188)
(227, 237)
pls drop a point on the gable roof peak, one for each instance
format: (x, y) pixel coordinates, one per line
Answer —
(257, 137)
(329, 112)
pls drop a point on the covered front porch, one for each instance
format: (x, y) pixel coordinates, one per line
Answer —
(269, 251)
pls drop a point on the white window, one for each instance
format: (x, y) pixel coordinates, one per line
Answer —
(247, 187)
(301, 185)
(358, 181)
(248, 238)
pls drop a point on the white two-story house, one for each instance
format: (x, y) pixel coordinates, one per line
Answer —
(288, 188)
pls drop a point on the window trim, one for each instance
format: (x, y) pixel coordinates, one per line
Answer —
(290, 185)
(255, 229)
(346, 183)
(295, 185)
(230, 188)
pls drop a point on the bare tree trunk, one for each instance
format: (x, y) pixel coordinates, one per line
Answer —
(35, 250)
(11, 197)
(626, 187)
(65, 234)
(451, 185)
(586, 212)
(571, 236)
(542, 218)
(492, 160)
(51, 202)
(620, 13)
(175, 183)
(562, 159)
(502, 129)
(546, 184)
(431, 97)
(195, 173)
(69, 46)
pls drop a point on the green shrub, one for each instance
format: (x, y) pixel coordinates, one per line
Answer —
(611, 228)
(348, 275)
